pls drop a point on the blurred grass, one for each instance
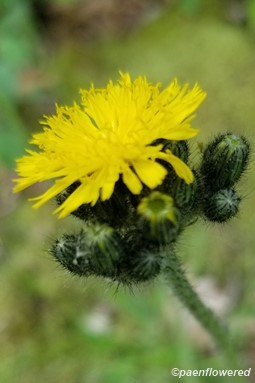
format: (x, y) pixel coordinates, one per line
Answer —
(44, 317)
(17, 51)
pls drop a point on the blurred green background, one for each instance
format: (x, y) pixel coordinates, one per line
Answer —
(58, 328)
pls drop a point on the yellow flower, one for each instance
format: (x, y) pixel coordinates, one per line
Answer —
(111, 134)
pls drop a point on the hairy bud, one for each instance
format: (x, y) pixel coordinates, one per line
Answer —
(224, 161)
(72, 252)
(106, 249)
(144, 265)
(222, 205)
(185, 195)
(95, 250)
(159, 217)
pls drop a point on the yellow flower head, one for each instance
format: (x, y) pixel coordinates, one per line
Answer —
(111, 134)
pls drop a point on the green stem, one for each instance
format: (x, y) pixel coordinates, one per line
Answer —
(185, 292)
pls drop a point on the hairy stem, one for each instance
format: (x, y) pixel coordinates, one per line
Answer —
(185, 292)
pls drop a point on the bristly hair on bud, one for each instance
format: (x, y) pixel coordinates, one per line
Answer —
(143, 266)
(96, 250)
(185, 195)
(222, 205)
(106, 249)
(224, 161)
(72, 252)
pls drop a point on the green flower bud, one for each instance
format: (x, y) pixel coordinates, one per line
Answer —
(185, 195)
(105, 246)
(143, 266)
(159, 217)
(95, 250)
(224, 161)
(72, 252)
(222, 205)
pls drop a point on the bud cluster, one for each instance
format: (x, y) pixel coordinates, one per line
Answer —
(98, 250)
(122, 238)
(224, 161)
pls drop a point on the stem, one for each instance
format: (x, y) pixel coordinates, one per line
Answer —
(185, 292)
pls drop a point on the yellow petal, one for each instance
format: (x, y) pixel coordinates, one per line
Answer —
(181, 133)
(57, 188)
(150, 173)
(181, 169)
(83, 194)
(132, 181)
(107, 190)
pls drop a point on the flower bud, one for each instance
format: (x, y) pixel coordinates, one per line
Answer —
(224, 161)
(105, 246)
(72, 252)
(222, 205)
(185, 195)
(95, 250)
(159, 217)
(144, 265)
